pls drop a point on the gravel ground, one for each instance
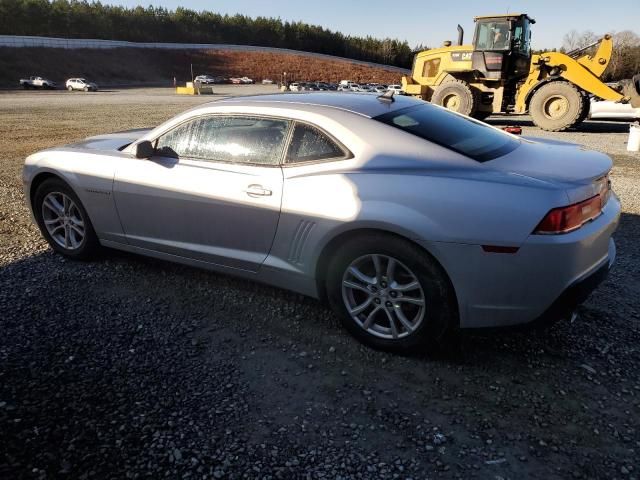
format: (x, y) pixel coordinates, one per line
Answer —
(130, 367)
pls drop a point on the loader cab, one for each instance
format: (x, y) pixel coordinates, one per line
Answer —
(502, 46)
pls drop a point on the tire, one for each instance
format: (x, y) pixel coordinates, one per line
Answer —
(585, 108)
(430, 322)
(70, 88)
(556, 106)
(78, 249)
(86, 89)
(458, 96)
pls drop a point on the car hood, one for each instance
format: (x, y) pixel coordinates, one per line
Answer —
(111, 141)
(554, 162)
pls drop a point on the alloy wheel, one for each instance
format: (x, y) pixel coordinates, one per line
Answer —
(383, 296)
(63, 220)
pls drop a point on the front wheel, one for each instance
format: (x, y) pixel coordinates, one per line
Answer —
(63, 221)
(556, 106)
(390, 294)
(70, 88)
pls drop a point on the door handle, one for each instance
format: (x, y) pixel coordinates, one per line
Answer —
(257, 191)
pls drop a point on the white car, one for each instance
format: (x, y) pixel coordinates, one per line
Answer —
(37, 82)
(396, 88)
(267, 81)
(81, 84)
(379, 89)
(205, 79)
(296, 87)
(246, 80)
(607, 109)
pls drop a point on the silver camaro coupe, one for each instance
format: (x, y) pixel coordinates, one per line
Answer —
(410, 220)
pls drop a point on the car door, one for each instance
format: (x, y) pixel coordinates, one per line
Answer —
(211, 192)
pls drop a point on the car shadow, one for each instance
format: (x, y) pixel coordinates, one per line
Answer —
(606, 311)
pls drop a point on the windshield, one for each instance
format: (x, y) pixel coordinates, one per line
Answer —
(455, 132)
(492, 35)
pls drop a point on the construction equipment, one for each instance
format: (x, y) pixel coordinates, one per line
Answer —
(499, 74)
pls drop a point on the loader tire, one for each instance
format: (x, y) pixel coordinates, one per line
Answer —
(556, 106)
(458, 96)
(585, 108)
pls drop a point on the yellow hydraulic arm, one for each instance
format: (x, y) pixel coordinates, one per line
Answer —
(584, 72)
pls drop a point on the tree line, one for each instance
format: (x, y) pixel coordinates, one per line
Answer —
(83, 19)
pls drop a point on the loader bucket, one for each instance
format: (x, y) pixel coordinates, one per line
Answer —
(631, 90)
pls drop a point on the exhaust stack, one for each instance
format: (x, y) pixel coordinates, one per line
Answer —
(460, 34)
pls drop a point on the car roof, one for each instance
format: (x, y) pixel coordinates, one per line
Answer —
(368, 105)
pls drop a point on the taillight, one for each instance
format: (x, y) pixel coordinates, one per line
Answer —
(572, 217)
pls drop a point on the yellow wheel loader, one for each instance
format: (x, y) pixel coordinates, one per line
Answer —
(498, 74)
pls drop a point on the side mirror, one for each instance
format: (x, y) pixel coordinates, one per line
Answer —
(144, 149)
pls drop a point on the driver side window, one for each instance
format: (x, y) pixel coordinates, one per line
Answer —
(235, 139)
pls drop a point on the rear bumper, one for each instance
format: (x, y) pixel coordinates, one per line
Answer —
(546, 278)
(576, 294)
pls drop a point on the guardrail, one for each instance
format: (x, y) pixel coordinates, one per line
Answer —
(18, 41)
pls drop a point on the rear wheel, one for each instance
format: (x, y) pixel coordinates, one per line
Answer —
(390, 294)
(63, 221)
(556, 106)
(70, 88)
(458, 96)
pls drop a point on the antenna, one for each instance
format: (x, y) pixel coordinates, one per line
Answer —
(387, 96)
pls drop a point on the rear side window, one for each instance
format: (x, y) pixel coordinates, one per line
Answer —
(455, 132)
(227, 139)
(310, 144)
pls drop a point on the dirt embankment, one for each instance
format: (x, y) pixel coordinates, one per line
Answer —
(147, 66)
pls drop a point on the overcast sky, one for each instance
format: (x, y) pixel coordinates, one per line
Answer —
(428, 22)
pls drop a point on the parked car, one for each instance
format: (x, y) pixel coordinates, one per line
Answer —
(296, 87)
(396, 88)
(246, 80)
(379, 89)
(613, 111)
(205, 79)
(344, 88)
(235, 80)
(409, 219)
(80, 84)
(37, 82)
(267, 81)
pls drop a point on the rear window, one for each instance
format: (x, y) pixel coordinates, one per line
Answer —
(455, 132)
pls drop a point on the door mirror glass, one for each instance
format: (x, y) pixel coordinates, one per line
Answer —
(144, 149)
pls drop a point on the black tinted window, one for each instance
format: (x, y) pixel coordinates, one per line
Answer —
(461, 134)
(227, 139)
(308, 144)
